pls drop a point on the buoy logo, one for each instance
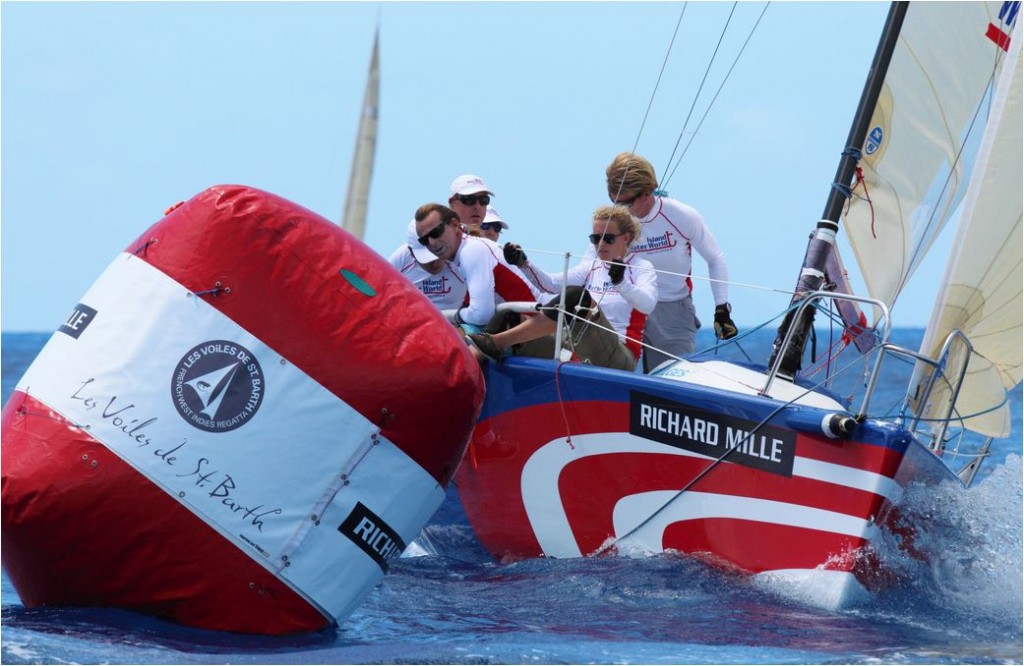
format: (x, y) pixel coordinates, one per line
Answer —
(217, 386)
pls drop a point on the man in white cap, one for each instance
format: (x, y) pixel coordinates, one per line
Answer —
(489, 277)
(436, 278)
(493, 225)
(469, 197)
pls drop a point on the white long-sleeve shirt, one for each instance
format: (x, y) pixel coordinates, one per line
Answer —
(626, 305)
(446, 290)
(668, 236)
(489, 279)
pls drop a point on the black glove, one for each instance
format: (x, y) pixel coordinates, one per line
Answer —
(724, 328)
(514, 254)
(617, 271)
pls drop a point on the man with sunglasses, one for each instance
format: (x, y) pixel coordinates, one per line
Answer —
(493, 225)
(670, 232)
(489, 278)
(469, 197)
(436, 278)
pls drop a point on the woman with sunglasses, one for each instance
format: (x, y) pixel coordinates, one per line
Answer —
(607, 302)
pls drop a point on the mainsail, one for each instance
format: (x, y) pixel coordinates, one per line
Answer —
(982, 292)
(353, 219)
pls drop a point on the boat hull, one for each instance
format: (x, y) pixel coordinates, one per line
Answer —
(570, 460)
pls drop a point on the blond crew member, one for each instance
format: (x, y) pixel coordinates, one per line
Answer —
(616, 287)
(670, 232)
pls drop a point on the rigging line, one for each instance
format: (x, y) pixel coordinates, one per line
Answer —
(746, 285)
(612, 542)
(717, 92)
(693, 105)
(657, 83)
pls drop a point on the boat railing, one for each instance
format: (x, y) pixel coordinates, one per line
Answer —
(935, 432)
(884, 322)
(939, 370)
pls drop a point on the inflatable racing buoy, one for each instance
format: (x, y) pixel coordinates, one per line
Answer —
(246, 417)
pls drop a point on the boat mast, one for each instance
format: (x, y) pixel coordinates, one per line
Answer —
(353, 219)
(812, 275)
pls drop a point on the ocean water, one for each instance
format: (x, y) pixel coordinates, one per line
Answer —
(447, 601)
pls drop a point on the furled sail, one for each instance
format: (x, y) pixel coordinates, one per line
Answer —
(923, 137)
(353, 219)
(982, 293)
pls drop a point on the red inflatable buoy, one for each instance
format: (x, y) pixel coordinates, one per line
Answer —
(246, 417)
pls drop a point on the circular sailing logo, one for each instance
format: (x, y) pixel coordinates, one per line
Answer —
(874, 140)
(217, 386)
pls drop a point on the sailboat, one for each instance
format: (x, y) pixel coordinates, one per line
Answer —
(353, 218)
(769, 470)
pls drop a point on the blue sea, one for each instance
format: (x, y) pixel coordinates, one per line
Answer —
(446, 601)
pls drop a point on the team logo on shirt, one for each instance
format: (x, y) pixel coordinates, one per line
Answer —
(655, 243)
(218, 386)
(435, 286)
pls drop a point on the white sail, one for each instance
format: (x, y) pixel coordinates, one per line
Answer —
(353, 219)
(923, 137)
(982, 292)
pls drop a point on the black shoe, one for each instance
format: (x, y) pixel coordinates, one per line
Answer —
(484, 343)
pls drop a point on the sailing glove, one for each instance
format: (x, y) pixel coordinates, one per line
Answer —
(514, 254)
(617, 271)
(724, 327)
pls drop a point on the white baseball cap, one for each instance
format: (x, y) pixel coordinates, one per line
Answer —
(468, 184)
(492, 216)
(420, 251)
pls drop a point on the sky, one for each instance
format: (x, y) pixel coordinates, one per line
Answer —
(112, 112)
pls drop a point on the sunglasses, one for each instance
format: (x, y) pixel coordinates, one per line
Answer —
(432, 234)
(470, 199)
(607, 238)
(627, 202)
(490, 226)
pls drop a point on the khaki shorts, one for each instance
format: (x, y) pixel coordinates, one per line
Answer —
(589, 343)
(598, 345)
